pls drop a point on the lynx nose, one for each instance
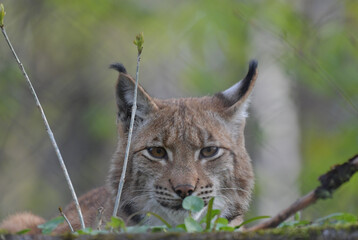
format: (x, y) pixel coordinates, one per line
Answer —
(184, 190)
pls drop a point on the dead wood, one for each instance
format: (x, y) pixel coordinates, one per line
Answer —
(330, 181)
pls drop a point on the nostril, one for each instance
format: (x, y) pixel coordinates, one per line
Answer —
(184, 190)
(179, 192)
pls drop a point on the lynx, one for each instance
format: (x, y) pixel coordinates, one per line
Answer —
(180, 147)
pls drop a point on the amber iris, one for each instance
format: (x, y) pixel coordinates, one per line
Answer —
(157, 152)
(209, 152)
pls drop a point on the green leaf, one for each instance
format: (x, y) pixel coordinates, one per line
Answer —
(86, 231)
(294, 223)
(49, 226)
(23, 231)
(90, 231)
(209, 216)
(193, 203)
(220, 223)
(297, 216)
(214, 212)
(160, 218)
(337, 218)
(117, 223)
(192, 226)
(2, 15)
(139, 41)
(227, 228)
(137, 229)
(179, 228)
(182, 226)
(158, 229)
(251, 220)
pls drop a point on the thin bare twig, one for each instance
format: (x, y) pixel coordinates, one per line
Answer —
(47, 126)
(66, 219)
(139, 42)
(99, 218)
(329, 182)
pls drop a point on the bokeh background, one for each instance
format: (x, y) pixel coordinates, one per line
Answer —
(303, 116)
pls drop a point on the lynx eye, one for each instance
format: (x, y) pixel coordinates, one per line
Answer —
(209, 152)
(157, 152)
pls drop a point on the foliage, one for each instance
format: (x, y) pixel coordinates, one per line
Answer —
(332, 219)
(210, 222)
(193, 204)
(49, 226)
(23, 231)
(2, 14)
(139, 41)
(336, 218)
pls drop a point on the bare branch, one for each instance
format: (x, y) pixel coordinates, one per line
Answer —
(329, 182)
(47, 126)
(66, 219)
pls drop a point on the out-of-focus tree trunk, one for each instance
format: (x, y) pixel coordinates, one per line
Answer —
(277, 159)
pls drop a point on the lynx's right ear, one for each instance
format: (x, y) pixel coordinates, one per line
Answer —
(235, 99)
(125, 93)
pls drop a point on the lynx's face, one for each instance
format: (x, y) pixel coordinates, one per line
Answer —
(183, 147)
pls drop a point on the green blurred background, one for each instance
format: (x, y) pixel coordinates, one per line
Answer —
(304, 113)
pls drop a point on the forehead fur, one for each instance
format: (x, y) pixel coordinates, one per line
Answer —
(193, 122)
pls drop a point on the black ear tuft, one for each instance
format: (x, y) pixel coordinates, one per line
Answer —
(246, 82)
(252, 68)
(235, 98)
(239, 92)
(125, 99)
(119, 67)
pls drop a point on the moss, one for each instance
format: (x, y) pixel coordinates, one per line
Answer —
(3, 232)
(309, 232)
(69, 236)
(322, 232)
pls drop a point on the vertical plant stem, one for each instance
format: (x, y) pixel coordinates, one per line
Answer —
(99, 218)
(47, 126)
(134, 109)
(66, 219)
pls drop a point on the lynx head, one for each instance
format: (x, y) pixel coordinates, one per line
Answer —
(182, 147)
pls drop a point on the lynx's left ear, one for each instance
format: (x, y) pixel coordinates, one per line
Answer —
(125, 98)
(235, 99)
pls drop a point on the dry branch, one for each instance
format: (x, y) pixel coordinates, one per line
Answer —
(330, 181)
(47, 126)
(66, 219)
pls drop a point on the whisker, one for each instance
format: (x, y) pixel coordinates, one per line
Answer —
(143, 190)
(223, 196)
(237, 188)
(134, 199)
